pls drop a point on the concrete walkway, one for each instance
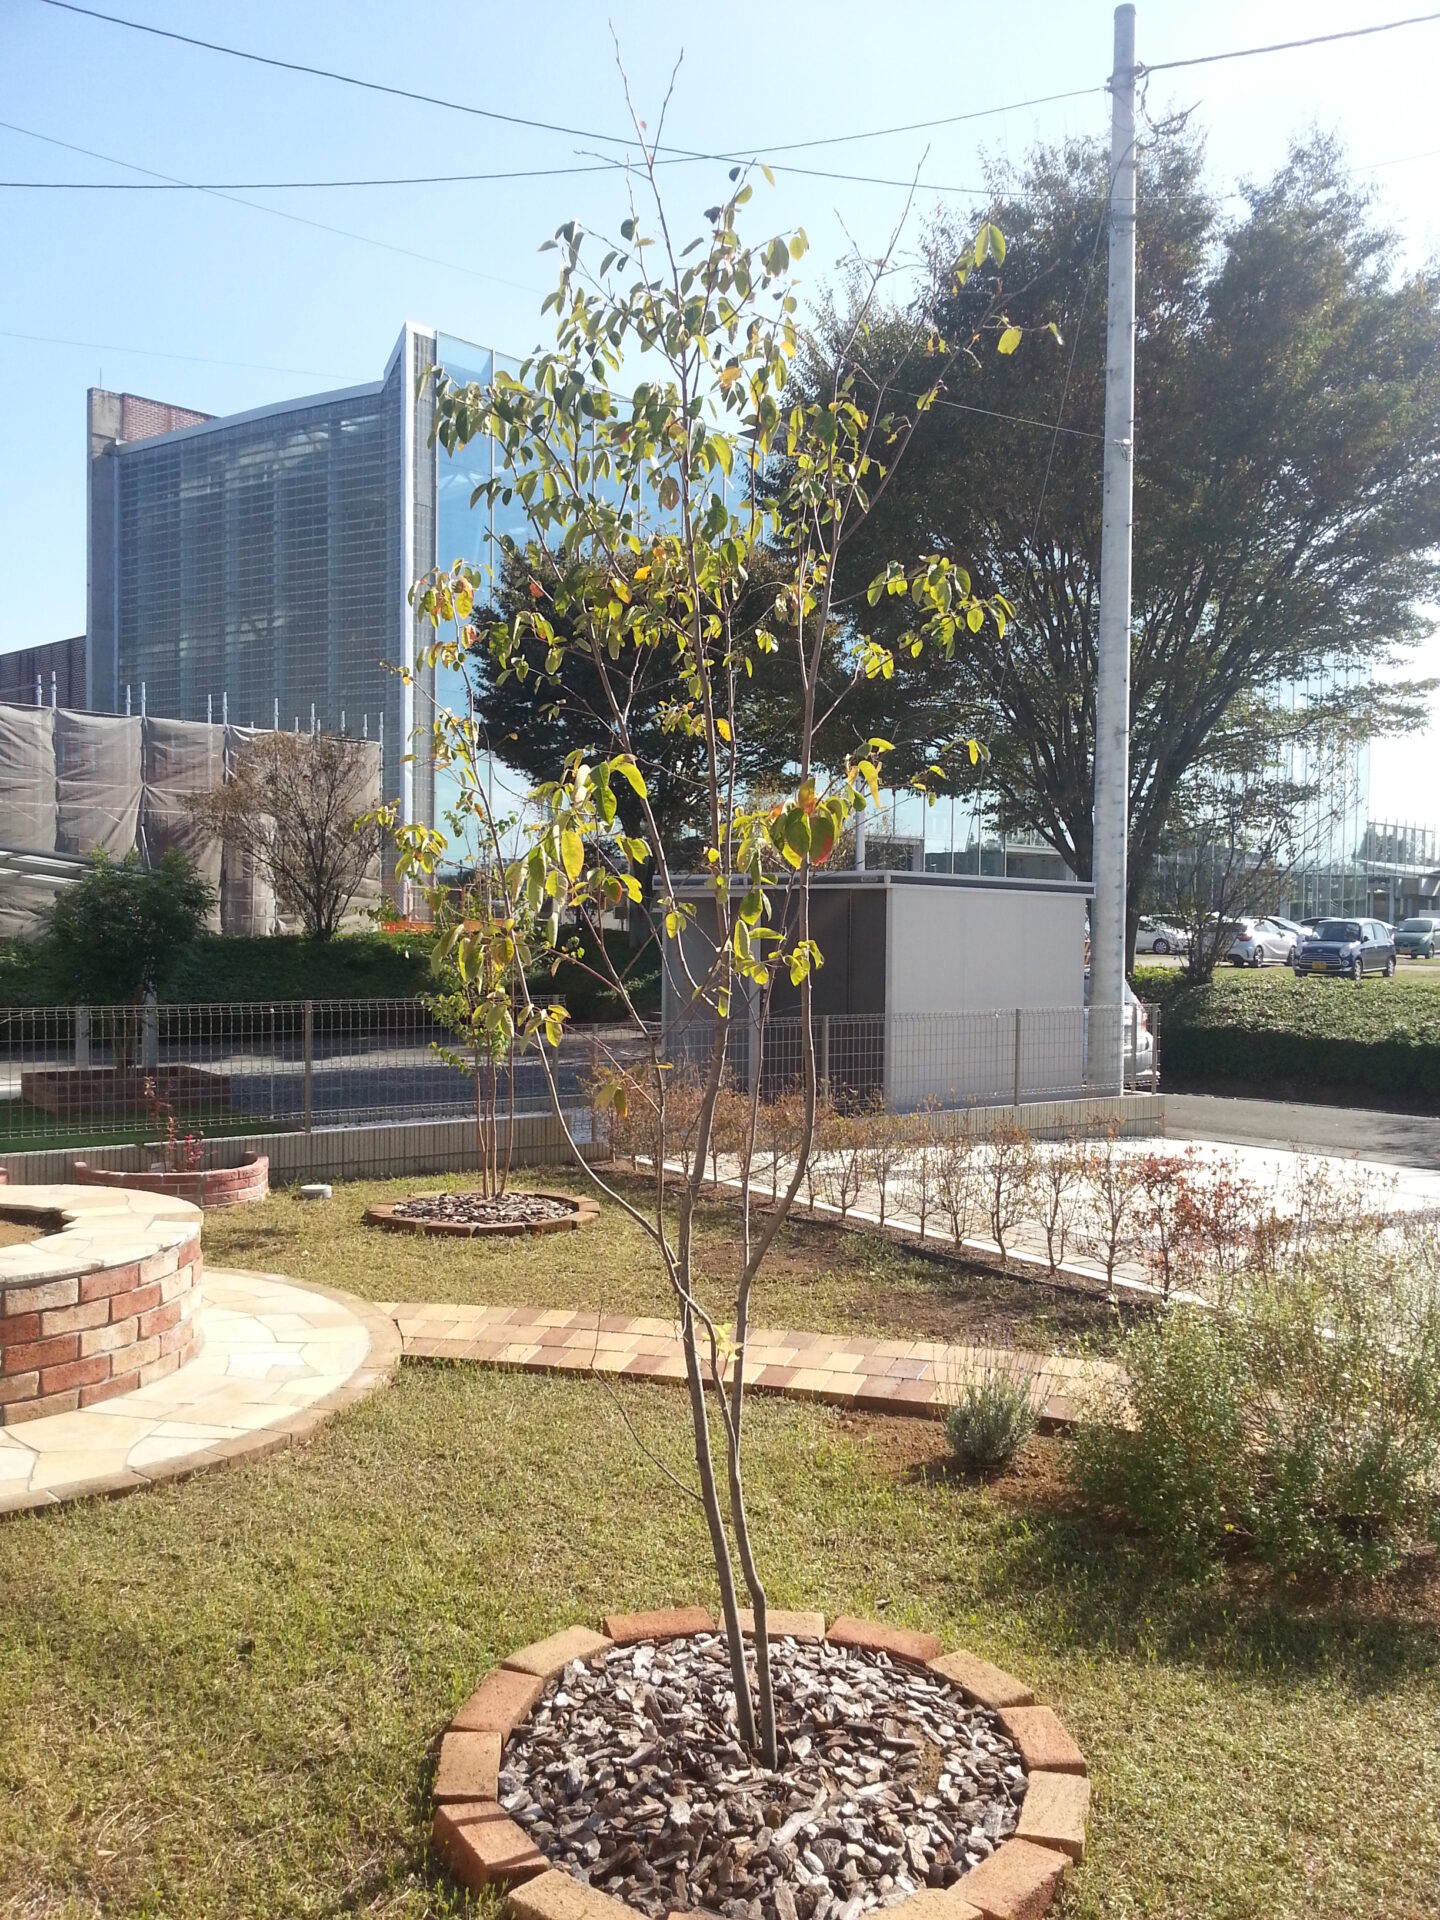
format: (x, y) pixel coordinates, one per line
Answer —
(1395, 1139)
(871, 1376)
(276, 1360)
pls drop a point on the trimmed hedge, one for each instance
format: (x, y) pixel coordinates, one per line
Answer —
(362, 966)
(1269, 1031)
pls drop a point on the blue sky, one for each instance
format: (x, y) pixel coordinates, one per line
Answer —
(192, 298)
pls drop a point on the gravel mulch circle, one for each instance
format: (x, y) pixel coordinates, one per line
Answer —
(518, 1212)
(628, 1775)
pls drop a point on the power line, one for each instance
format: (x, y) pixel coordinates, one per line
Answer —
(278, 213)
(1287, 46)
(151, 353)
(344, 79)
(545, 126)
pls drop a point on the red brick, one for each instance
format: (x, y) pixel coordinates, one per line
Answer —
(875, 1636)
(45, 1293)
(73, 1319)
(1043, 1739)
(783, 1625)
(549, 1657)
(160, 1319)
(110, 1339)
(1017, 1882)
(481, 1845)
(18, 1386)
(43, 1407)
(1054, 1812)
(100, 1286)
(107, 1389)
(17, 1328)
(166, 1260)
(131, 1359)
(77, 1373)
(41, 1353)
(499, 1703)
(158, 1369)
(669, 1623)
(555, 1896)
(988, 1686)
(468, 1766)
(138, 1300)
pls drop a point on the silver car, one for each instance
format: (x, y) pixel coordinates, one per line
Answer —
(1262, 943)
(1157, 936)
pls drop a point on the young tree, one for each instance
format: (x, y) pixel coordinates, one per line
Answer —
(119, 933)
(475, 958)
(707, 428)
(302, 807)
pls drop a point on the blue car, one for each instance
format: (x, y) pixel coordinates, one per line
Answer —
(1351, 947)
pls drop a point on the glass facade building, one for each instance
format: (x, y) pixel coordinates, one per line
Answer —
(256, 567)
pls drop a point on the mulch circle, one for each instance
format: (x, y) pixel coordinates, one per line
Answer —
(629, 1776)
(470, 1215)
(601, 1775)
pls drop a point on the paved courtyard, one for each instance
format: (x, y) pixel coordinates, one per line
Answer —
(275, 1360)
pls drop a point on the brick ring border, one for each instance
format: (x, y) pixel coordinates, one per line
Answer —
(482, 1846)
(583, 1213)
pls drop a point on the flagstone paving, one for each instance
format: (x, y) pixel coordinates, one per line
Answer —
(275, 1360)
(873, 1376)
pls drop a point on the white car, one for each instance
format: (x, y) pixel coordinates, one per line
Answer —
(1140, 1063)
(1262, 943)
(1157, 936)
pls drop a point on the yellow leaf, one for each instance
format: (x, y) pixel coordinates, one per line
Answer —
(1010, 340)
(572, 852)
(722, 727)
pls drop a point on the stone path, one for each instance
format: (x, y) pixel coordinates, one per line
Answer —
(276, 1360)
(842, 1370)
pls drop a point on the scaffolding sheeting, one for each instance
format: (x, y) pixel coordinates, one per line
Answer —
(72, 784)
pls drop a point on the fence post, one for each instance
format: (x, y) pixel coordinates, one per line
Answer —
(1016, 1101)
(309, 1064)
(82, 1036)
(1134, 1047)
(825, 1058)
(150, 1035)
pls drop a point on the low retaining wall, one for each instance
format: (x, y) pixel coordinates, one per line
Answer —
(209, 1187)
(101, 1303)
(448, 1146)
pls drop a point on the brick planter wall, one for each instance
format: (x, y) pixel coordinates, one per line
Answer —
(109, 1312)
(211, 1187)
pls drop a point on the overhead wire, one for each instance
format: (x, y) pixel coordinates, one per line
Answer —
(152, 353)
(279, 213)
(1287, 46)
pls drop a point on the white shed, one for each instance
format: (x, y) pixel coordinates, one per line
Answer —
(957, 988)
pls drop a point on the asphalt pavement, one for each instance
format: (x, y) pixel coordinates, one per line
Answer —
(1398, 1139)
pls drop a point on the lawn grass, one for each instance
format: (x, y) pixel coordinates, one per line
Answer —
(819, 1276)
(223, 1698)
(1266, 1030)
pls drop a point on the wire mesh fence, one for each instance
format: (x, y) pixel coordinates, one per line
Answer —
(93, 1076)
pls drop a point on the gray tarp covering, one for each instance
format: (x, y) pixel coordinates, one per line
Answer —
(182, 759)
(97, 783)
(27, 779)
(72, 783)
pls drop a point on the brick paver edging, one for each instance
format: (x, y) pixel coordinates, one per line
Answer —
(841, 1370)
(482, 1846)
(207, 1187)
(581, 1213)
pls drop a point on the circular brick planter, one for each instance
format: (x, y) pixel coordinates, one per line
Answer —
(579, 1213)
(210, 1188)
(103, 1302)
(482, 1846)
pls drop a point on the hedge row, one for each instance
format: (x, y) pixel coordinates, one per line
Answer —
(1270, 1031)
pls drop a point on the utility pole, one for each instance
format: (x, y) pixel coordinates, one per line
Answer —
(1112, 687)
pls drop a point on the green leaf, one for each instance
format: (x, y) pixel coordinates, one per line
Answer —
(572, 852)
(1010, 340)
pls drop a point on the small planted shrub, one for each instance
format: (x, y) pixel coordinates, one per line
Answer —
(1299, 1417)
(993, 1404)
